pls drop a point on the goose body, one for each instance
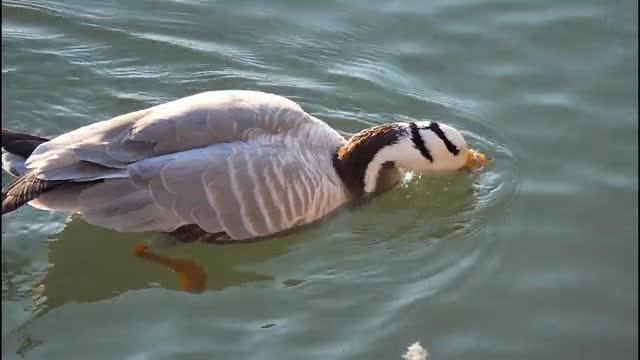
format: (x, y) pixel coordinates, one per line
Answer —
(230, 164)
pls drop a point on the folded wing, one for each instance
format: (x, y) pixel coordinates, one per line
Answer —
(246, 163)
(105, 149)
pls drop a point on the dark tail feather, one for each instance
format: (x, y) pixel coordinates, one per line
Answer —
(27, 186)
(24, 189)
(20, 143)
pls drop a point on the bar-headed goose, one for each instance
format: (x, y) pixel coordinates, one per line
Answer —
(219, 165)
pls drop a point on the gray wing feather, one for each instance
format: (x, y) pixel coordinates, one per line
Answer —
(175, 183)
(237, 188)
(86, 144)
(246, 191)
(120, 205)
(235, 161)
(114, 203)
(188, 123)
(251, 204)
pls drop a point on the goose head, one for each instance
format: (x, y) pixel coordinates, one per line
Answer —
(371, 156)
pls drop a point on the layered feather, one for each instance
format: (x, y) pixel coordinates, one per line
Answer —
(246, 163)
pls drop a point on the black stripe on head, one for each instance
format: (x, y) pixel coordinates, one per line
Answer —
(436, 129)
(418, 141)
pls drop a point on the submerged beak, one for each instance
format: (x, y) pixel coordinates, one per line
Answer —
(475, 160)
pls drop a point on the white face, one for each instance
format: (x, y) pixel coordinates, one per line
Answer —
(424, 146)
(439, 147)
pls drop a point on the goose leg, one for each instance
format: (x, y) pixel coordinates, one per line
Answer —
(191, 275)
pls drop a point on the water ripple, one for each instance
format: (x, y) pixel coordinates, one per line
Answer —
(458, 261)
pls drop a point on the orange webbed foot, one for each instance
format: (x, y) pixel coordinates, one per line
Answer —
(191, 275)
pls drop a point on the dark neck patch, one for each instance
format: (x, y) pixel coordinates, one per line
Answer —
(418, 141)
(352, 159)
(433, 126)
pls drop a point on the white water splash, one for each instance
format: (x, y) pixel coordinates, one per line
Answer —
(416, 352)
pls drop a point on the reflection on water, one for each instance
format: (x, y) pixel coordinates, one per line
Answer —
(88, 264)
(547, 87)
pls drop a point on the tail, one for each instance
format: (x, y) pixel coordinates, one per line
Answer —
(17, 147)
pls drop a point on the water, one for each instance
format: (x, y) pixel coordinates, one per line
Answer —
(535, 258)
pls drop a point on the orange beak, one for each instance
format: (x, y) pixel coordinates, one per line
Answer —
(475, 160)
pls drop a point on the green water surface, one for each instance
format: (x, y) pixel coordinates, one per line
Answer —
(534, 258)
